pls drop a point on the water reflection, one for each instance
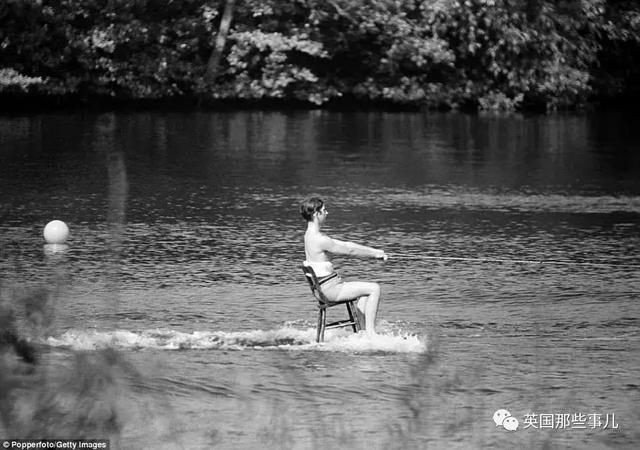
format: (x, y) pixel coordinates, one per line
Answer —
(245, 172)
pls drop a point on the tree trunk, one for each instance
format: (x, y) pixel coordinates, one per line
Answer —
(221, 39)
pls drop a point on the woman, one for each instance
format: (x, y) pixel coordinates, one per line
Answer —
(318, 245)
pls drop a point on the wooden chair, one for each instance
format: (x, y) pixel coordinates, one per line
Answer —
(324, 303)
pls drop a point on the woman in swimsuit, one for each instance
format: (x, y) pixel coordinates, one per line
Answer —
(317, 245)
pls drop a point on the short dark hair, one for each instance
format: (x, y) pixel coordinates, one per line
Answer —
(309, 207)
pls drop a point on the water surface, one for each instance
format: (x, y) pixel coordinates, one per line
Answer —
(184, 256)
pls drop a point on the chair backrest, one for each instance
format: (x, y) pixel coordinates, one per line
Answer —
(312, 279)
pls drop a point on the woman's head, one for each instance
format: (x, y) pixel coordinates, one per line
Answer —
(310, 207)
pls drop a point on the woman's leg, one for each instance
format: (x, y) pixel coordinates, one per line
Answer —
(369, 294)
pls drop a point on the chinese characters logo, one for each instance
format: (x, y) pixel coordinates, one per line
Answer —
(556, 421)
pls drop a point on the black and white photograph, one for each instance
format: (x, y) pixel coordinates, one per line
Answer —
(319, 224)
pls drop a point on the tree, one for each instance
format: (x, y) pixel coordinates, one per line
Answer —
(221, 38)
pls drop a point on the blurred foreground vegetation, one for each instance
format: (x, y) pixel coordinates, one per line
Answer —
(475, 54)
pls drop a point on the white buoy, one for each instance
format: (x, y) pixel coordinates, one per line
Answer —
(56, 232)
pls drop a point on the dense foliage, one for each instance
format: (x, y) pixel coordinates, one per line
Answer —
(490, 54)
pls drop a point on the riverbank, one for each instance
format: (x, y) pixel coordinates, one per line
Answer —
(31, 103)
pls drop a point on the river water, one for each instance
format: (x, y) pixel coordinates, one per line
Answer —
(178, 316)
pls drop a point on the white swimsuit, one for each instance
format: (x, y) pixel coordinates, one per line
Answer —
(330, 280)
(322, 268)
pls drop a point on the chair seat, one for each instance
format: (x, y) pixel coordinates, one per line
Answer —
(323, 303)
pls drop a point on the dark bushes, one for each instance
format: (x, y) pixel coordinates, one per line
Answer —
(487, 54)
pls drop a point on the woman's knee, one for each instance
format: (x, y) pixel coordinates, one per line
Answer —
(372, 288)
(359, 289)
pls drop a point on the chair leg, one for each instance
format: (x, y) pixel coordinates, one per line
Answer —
(360, 318)
(322, 322)
(353, 316)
